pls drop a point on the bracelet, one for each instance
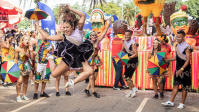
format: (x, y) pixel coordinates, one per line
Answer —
(182, 69)
(39, 28)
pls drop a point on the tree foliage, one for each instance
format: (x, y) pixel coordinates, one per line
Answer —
(25, 23)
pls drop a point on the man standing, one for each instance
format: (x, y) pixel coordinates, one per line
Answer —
(116, 48)
(183, 70)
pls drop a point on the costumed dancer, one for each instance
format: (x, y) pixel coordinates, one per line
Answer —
(183, 70)
(57, 52)
(23, 53)
(95, 61)
(42, 53)
(7, 51)
(1, 40)
(157, 78)
(76, 52)
(130, 47)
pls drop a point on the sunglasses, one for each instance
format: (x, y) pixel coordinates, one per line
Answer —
(93, 35)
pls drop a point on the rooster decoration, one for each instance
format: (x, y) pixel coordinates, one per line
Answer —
(146, 7)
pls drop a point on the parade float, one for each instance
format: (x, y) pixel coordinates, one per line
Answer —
(142, 80)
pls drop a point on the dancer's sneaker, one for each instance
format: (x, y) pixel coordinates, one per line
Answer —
(19, 99)
(57, 94)
(96, 95)
(69, 83)
(25, 98)
(125, 87)
(181, 106)
(168, 103)
(116, 88)
(44, 95)
(1, 82)
(134, 92)
(68, 93)
(5, 85)
(156, 96)
(87, 92)
(35, 96)
(161, 95)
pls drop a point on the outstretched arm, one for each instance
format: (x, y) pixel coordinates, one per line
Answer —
(46, 35)
(104, 32)
(82, 17)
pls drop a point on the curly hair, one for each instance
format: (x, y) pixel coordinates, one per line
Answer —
(68, 17)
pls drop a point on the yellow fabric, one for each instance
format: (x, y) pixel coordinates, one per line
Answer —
(7, 54)
(179, 14)
(33, 16)
(146, 9)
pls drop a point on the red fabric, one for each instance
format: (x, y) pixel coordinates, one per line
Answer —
(197, 40)
(116, 45)
(160, 19)
(166, 48)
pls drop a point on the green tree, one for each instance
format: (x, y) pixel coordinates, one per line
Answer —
(193, 8)
(24, 24)
(129, 12)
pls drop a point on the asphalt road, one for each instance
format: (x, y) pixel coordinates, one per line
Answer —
(110, 101)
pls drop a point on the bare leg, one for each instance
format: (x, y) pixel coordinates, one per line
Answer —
(18, 86)
(36, 87)
(57, 81)
(93, 81)
(31, 77)
(160, 84)
(174, 93)
(184, 95)
(130, 84)
(89, 84)
(65, 81)
(43, 87)
(25, 84)
(155, 87)
(87, 71)
(60, 69)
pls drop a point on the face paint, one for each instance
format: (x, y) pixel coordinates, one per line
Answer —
(96, 25)
(179, 22)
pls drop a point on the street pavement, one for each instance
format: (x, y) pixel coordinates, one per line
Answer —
(110, 101)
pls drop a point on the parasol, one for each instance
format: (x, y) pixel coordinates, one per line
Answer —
(36, 14)
(121, 58)
(156, 66)
(48, 72)
(10, 71)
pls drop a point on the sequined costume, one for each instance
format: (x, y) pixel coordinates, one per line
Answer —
(24, 64)
(43, 54)
(95, 61)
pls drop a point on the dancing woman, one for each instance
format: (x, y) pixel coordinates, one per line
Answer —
(95, 61)
(76, 52)
(22, 58)
(157, 79)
